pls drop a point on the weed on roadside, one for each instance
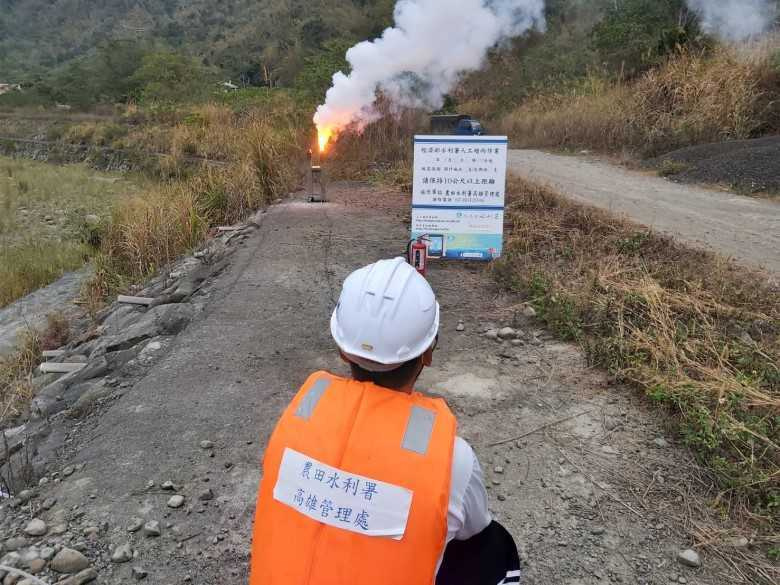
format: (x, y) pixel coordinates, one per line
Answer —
(17, 369)
(16, 388)
(699, 335)
(56, 333)
(669, 168)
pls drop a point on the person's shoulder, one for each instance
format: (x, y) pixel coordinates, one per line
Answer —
(464, 462)
(319, 381)
(321, 375)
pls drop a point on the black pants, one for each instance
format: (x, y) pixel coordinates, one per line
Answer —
(489, 558)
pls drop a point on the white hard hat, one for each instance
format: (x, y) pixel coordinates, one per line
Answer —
(386, 316)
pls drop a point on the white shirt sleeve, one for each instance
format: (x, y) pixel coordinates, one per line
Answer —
(468, 513)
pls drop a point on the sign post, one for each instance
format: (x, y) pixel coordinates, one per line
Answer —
(458, 195)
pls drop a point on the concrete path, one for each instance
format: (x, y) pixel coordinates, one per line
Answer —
(580, 477)
(745, 228)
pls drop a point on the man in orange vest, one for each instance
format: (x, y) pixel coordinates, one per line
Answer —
(365, 480)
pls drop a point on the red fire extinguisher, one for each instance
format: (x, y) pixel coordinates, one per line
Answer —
(418, 254)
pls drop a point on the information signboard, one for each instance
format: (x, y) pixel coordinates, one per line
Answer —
(458, 195)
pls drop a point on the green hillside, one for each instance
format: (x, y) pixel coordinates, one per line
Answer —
(254, 38)
(84, 52)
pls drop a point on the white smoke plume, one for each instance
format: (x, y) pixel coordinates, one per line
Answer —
(417, 61)
(735, 20)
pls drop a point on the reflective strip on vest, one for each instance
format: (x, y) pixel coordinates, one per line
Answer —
(312, 399)
(419, 430)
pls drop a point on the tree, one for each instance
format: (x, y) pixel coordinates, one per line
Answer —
(635, 34)
(165, 76)
(115, 66)
(316, 75)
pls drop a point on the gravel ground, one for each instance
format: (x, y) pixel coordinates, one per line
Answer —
(162, 479)
(746, 166)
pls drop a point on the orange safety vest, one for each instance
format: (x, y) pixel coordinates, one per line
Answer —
(403, 440)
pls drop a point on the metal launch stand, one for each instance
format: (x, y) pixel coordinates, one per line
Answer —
(316, 186)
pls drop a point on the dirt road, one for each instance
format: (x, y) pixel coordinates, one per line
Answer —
(745, 228)
(605, 496)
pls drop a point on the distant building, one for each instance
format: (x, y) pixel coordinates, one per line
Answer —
(9, 87)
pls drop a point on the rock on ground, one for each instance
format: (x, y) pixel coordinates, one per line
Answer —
(135, 524)
(689, 558)
(35, 527)
(123, 553)
(85, 576)
(69, 561)
(152, 528)
(176, 501)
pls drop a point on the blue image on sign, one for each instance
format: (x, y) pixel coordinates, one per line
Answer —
(464, 246)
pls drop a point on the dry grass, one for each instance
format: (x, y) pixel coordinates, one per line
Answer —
(382, 151)
(57, 332)
(99, 133)
(697, 334)
(16, 388)
(17, 369)
(209, 132)
(261, 151)
(146, 232)
(694, 98)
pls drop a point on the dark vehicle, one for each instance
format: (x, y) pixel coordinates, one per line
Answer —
(457, 124)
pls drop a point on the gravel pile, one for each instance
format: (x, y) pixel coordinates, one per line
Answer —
(747, 166)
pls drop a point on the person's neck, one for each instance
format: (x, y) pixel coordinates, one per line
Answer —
(405, 389)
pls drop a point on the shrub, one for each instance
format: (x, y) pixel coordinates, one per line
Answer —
(56, 333)
(166, 76)
(636, 34)
(670, 167)
(80, 133)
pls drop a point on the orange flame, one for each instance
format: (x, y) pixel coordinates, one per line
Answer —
(324, 135)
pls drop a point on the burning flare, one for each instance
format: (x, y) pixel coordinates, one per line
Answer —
(324, 135)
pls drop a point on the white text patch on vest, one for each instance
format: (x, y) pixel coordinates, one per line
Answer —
(341, 499)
